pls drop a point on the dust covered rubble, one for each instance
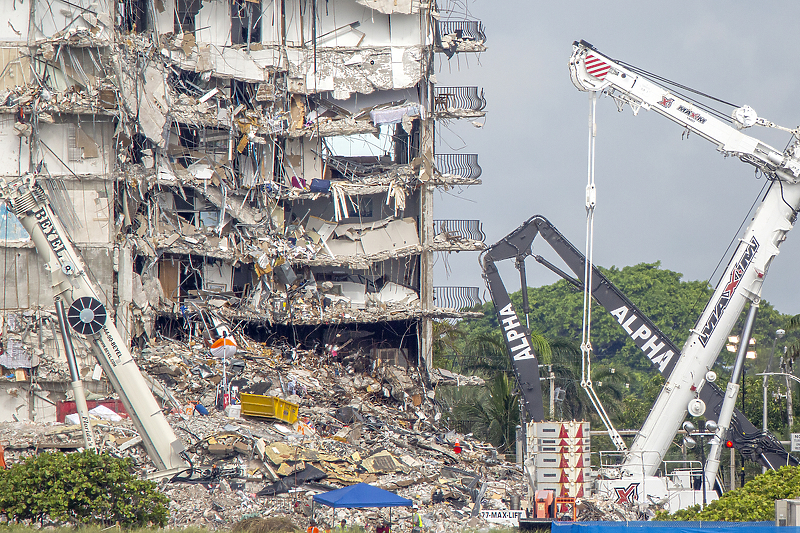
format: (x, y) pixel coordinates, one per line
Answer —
(359, 421)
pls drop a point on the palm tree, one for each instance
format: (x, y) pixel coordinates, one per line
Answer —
(487, 354)
(793, 349)
(447, 343)
(493, 412)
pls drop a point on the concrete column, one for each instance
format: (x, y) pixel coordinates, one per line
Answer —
(125, 292)
(427, 131)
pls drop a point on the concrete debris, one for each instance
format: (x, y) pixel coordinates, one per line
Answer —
(266, 171)
(358, 422)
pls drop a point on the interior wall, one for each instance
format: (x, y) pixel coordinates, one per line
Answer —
(374, 28)
(28, 285)
(15, 149)
(78, 147)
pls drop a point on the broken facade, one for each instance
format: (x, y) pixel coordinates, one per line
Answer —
(269, 164)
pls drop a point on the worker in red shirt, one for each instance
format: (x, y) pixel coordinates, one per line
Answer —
(312, 527)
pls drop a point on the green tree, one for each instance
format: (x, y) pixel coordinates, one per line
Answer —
(493, 412)
(80, 488)
(447, 344)
(753, 502)
(672, 303)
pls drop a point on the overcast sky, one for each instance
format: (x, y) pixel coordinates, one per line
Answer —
(659, 198)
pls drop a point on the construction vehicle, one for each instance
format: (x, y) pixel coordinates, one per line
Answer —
(87, 316)
(633, 476)
(743, 278)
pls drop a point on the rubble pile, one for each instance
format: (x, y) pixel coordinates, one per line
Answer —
(358, 421)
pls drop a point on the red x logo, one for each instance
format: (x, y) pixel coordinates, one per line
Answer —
(666, 102)
(627, 495)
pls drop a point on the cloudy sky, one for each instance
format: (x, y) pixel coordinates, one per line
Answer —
(659, 197)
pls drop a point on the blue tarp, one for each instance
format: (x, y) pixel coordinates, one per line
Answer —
(359, 496)
(678, 527)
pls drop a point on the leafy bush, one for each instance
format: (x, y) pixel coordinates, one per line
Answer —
(80, 488)
(753, 502)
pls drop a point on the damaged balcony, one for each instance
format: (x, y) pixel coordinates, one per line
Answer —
(458, 102)
(453, 36)
(461, 302)
(339, 51)
(461, 168)
(458, 235)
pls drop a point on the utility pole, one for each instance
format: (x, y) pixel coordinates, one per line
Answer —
(778, 335)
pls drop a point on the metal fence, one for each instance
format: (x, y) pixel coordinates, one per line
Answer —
(464, 165)
(463, 29)
(459, 98)
(456, 297)
(467, 229)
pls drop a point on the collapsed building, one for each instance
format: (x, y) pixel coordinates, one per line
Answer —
(269, 164)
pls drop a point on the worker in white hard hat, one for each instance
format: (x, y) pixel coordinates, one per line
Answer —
(416, 520)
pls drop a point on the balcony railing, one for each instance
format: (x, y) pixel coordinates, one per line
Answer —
(458, 98)
(470, 30)
(355, 170)
(467, 229)
(456, 297)
(464, 165)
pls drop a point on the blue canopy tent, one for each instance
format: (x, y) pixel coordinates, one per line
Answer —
(360, 496)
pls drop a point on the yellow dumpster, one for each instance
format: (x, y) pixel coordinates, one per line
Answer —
(268, 407)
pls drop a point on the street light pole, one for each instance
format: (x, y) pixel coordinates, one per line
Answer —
(778, 335)
(689, 442)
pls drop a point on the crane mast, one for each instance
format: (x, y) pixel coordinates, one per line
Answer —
(744, 275)
(87, 316)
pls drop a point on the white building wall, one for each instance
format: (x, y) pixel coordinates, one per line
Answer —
(374, 28)
(77, 147)
(57, 17)
(16, 29)
(213, 23)
(15, 149)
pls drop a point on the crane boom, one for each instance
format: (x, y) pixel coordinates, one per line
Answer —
(87, 315)
(744, 275)
(757, 446)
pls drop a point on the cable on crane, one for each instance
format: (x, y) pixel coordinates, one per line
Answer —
(586, 326)
(674, 83)
(718, 114)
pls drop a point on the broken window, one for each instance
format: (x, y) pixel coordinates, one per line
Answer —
(187, 82)
(191, 207)
(242, 279)
(185, 13)
(243, 93)
(245, 22)
(360, 207)
(189, 138)
(134, 15)
(406, 144)
(180, 277)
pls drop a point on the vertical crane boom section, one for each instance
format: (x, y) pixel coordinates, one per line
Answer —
(87, 316)
(744, 275)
